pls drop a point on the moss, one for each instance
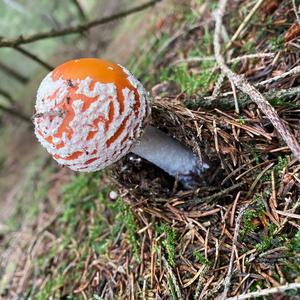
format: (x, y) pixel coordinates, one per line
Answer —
(52, 284)
(200, 258)
(269, 242)
(294, 245)
(80, 199)
(257, 210)
(276, 43)
(283, 102)
(282, 162)
(127, 218)
(291, 264)
(247, 222)
(32, 192)
(168, 241)
(242, 120)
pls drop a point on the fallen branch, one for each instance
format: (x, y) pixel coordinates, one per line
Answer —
(14, 74)
(242, 84)
(73, 29)
(293, 72)
(196, 59)
(296, 11)
(34, 57)
(226, 101)
(80, 10)
(228, 277)
(211, 198)
(8, 96)
(15, 113)
(267, 292)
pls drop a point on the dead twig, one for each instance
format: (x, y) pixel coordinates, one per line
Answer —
(226, 101)
(73, 29)
(80, 10)
(34, 57)
(13, 73)
(227, 279)
(293, 72)
(201, 280)
(8, 97)
(16, 113)
(196, 59)
(251, 91)
(267, 292)
(213, 197)
(296, 11)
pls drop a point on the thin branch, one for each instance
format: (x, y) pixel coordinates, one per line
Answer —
(201, 280)
(73, 29)
(293, 72)
(251, 91)
(14, 74)
(8, 96)
(208, 199)
(267, 292)
(217, 89)
(196, 59)
(34, 57)
(227, 279)
(16, 113)
(296, 11)
(226, 101)
(80, 10)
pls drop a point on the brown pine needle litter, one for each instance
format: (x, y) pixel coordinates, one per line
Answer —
(237, 236)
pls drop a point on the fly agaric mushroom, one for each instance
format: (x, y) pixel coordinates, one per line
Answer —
(91, 112)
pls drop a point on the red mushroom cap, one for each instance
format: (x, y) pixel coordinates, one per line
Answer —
(89, 113)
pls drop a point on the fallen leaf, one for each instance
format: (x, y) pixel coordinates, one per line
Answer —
(293, 32)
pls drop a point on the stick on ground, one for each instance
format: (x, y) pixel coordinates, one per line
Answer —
(267, 292)
(228, 277)
(242, 84)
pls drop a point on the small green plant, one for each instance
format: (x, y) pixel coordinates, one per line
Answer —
(168, 241)
(294, 245)
(51, 285)
(283, 102)
(276, 43)
(127, 218)
(200, 258)
(248, 225)
(268, 242)
(191, 83)
(282, 162)
(242, 120)
(257, 210)
(291, 264)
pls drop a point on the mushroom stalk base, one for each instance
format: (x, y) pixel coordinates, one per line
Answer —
(171, 156)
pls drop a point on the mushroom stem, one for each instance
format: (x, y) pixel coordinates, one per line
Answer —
(171, 156)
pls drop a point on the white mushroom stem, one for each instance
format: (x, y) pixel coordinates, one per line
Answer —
(169, 155)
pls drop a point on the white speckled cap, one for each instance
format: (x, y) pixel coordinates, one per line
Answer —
(89, 113)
